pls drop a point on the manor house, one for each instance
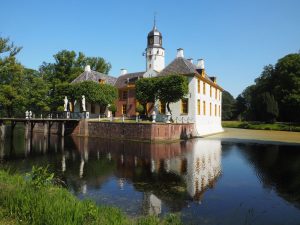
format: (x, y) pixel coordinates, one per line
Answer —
(201, 106)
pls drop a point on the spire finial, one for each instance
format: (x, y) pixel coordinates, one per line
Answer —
(154, 24)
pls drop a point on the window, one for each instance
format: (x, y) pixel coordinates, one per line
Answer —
(184, 106)
(199, 86)
(210, 109)
(215, 109)
(198, 107)
(204, 91)
(204, 108)
(124, 95)
(210, 90)
(216, 93)
(93, 108)
(162, 108)
(124, 107)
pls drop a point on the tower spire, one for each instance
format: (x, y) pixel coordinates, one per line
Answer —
(154, 22)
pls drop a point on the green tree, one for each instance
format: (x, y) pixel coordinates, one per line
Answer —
(171, 89)
(266, 107)
(102, 94)
(37, 91)
(12, 97)
(67, 66)
(228, 106)
(146, 90)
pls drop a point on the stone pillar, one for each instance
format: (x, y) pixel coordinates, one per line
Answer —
(2, 130)
(63, 129)
(26, 130)
(45, 129)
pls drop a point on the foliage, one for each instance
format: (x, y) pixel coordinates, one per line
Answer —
(11, 79)
(112, 108)
(67, 66)
(56, 206)
(146, 91)
(172, 88)
(139, 108)
(103, 94)
(168, 89)
(262, 126)
(277, 87)
(228, 106)
(40, 177)
(37, 99)
(266, 107)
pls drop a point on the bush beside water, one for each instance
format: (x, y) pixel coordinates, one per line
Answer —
(36, 200)
(262, 126)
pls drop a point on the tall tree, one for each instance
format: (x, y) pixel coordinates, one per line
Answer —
(11, 79)
(67, 66)
(146, 90)
(228, 106)
(278, 85)
(171, 89)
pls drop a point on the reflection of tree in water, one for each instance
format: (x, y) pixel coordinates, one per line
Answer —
(278, 167)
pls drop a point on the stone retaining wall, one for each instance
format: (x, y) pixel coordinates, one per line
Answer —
(129, 131)
(135, 131)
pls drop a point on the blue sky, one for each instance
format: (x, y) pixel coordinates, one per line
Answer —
(236, 38)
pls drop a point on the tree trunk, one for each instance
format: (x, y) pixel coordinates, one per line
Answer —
(168, 107)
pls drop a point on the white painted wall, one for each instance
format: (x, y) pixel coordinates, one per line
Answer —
(156, 60)
(204, 124)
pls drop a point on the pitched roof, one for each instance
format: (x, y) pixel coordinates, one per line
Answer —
(122, 81)
(179, 66)
(94, 76)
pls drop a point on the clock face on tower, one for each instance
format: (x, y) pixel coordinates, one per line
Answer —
(151, 41)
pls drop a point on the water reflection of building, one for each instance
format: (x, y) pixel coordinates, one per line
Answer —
(200, 165)
(203, 167)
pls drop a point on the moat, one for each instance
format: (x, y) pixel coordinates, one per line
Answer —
(206, 181)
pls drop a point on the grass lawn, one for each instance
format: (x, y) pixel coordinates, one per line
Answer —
(30, 201)
(262, 126)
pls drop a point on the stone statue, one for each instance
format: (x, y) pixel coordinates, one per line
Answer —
(66, 104)
(83, 103)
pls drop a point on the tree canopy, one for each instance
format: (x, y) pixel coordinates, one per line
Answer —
(167, 89)
(24, 89)
(228, 106)
(172, 88)
(275, 94)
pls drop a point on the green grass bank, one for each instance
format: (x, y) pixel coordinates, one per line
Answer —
(36, 201)
(262, 126)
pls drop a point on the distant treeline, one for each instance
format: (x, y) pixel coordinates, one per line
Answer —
(275, 96)
(43, 90)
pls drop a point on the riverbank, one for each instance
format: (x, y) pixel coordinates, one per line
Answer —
(261, 136)
(34, 202)
(262, 126)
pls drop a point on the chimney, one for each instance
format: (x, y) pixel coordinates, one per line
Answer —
(200, 64)
(87, 68)
(180, 53)
(123, 71)
(190, 60)
(214, 79)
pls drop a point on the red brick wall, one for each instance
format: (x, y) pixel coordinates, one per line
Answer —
(130, 102)
(133, 131)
